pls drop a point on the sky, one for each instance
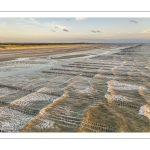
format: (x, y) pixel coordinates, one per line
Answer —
(70, 30)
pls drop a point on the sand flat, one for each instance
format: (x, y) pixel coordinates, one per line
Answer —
(12, 52)
(87, 89)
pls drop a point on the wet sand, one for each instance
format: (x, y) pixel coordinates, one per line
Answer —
(10, 54)
(68, 56)
(104, 90)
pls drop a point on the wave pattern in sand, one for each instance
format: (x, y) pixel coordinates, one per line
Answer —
(106, 92)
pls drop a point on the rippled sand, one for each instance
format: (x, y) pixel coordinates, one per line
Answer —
(104, 90)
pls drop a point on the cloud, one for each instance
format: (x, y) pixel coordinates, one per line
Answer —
(30, 23)
(146, 31)
(52, 30)
(95, 31)
(65, 30)
(55, 25)
(133, 21)
(32, 20)
(3, 25)
(80, 18)
(19, 23)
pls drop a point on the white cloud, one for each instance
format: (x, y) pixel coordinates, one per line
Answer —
(146, 31)
(80, 18)
(54, 25)
(34, 21)
(46, 24)
(3, 25)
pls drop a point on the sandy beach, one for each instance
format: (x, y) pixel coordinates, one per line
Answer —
(75, 88)
(18, 51)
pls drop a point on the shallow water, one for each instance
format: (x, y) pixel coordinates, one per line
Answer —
(108, 90)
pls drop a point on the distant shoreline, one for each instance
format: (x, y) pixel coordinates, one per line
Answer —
(11, 51)
(13, 46)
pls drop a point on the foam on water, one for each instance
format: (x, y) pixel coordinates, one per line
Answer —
(116, 85)
(34, 97)
(141, 111)
(117, 97)
(12, 120)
